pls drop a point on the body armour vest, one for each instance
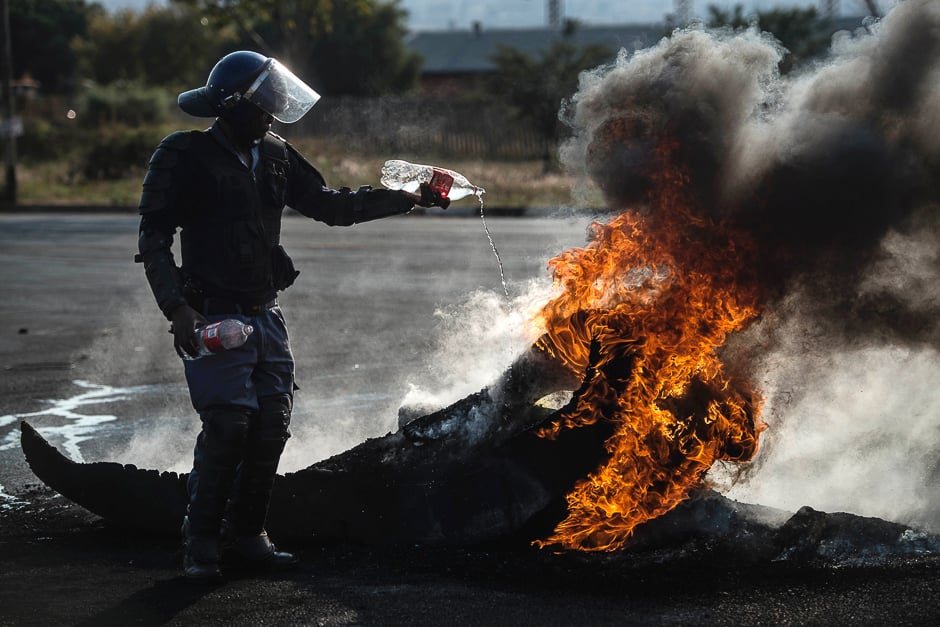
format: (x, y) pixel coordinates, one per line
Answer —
(231, 220)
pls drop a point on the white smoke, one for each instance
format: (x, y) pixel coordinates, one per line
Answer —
(476, 341)
(862, 435)
(472, 343)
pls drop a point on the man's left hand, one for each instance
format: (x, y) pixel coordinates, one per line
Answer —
(430, 197)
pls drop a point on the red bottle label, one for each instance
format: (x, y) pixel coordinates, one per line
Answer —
(210, 337)
(441, 182)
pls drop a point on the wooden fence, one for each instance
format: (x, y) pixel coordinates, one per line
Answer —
(469, 129)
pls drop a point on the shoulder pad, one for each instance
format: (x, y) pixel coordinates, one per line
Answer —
(274, 147)
(166, 154)
(179, 140)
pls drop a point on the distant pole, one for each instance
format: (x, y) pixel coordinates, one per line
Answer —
(554, 13)
(10, 196)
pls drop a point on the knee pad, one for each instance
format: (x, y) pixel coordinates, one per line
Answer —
(219, 449)
(263, 446)
(224, 431)
(273, 420)
(268, 433)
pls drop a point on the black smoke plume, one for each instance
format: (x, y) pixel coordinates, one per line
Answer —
(819, 168)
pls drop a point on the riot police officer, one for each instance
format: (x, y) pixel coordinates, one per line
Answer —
(225, 189)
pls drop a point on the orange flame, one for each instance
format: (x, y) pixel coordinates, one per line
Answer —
(655, 296)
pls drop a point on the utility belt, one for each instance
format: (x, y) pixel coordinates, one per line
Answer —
(210, 306)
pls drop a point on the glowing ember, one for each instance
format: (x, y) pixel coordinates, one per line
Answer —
(655, 296)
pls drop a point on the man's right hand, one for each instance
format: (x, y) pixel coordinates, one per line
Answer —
(185, 321)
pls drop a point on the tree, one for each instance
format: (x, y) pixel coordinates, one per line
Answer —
(354, 47)
(169, 46)
(801, 31)
(364, 54)
(718, 17)
(41, 32)
(176, 45)
(535, 86)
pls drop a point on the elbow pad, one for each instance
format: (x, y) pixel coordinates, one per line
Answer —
(372, 204)
(162, 274)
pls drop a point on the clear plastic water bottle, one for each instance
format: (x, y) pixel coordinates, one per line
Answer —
(398, 174)
(219, 336)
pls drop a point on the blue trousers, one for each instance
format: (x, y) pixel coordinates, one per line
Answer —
(244, 397)
(262, 367)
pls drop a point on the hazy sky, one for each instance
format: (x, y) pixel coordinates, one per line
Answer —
(444, 14)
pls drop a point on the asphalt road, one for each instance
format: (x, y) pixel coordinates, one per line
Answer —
(407, 309)
(398, 309)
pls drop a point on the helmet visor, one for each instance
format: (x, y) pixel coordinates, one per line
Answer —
(279, 92)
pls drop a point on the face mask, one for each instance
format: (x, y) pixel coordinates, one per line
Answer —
(248, 123)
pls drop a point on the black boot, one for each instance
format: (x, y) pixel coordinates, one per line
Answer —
(267, 434)
(246, 540)
(259, 551)
(201, 556)
(219, 448)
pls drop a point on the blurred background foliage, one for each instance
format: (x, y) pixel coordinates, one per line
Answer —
(96, 90)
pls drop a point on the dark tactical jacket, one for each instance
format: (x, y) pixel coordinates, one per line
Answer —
(230, 217)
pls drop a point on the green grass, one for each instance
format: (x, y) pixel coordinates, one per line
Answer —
(507, 183)
(52, 184)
